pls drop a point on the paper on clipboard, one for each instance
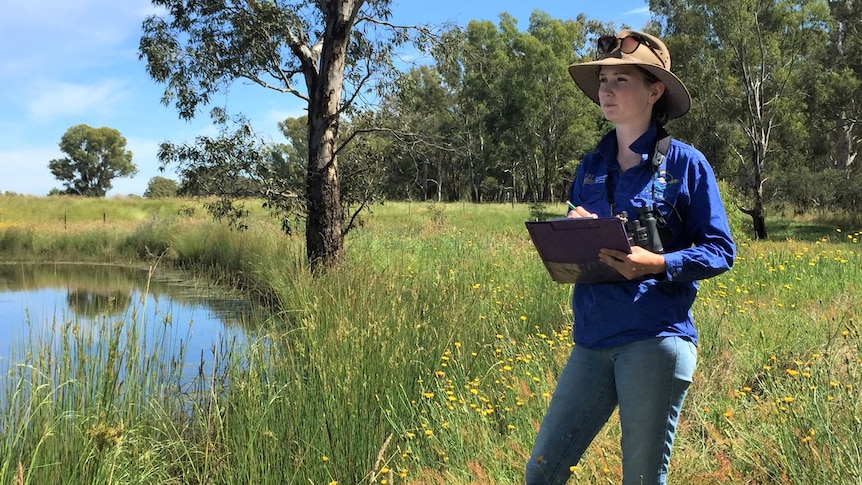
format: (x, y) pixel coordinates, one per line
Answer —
(570, 247)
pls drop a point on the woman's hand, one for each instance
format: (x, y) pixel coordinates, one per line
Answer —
(579, 212)
(640, 262)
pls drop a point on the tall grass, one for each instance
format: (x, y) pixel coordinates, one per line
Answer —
(429, 358)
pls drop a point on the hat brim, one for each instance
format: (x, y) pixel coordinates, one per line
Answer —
(586, 76)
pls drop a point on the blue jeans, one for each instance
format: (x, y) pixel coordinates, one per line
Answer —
(647, 379)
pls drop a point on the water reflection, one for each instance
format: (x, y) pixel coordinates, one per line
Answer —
(91, 303)
(190, 317)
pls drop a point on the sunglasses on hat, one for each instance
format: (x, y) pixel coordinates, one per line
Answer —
(608, 44)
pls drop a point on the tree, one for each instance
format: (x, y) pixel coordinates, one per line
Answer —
(438, 150)
(836, 85)
(325, 53)
(234, 165)
(96, 156)
(498, 114)
(841, 83)
(423, 155)
(161, 187)
(757, 50)
(466, 61)
(545, 121)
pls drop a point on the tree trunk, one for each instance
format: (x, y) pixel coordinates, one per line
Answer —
(758, 219)
(323, 231)
(439, 180)
(324, 237)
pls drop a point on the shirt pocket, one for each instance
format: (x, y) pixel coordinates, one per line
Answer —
(590, 195)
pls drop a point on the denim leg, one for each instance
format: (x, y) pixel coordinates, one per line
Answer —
(582, 402)
(652, 378)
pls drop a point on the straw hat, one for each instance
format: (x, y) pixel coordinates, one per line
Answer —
(642, 50)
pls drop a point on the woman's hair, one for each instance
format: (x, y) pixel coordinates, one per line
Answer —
(659, 109)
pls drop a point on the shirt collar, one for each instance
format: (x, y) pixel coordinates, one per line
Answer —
(608, 145)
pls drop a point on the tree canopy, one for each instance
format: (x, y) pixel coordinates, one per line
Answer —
(493, 114)
(326, 53)
(159, 187)
(95, 157)
(775, 87)
(755, 62)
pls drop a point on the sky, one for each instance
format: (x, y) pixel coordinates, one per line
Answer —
(70, 62)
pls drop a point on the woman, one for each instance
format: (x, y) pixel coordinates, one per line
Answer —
(636, 344)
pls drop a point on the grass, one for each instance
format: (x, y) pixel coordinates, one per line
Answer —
(429, 358)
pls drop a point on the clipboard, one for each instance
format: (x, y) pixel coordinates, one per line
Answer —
(570, 247)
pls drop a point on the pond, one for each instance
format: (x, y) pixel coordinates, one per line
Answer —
(46, 305)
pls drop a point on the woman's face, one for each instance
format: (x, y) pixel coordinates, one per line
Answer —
(626, 96)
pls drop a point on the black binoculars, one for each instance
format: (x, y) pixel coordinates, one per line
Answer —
(644, 230)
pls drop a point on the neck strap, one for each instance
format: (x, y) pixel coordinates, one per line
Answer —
(659, 153)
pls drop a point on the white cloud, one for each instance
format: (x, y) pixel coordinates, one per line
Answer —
(18, 68)
(41, 12)
(58, 100)
(638, 11)
(66, 36)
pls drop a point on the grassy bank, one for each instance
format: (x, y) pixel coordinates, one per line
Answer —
(428, 359)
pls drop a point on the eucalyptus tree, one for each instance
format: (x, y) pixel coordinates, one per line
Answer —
(160, 187)
(325, 53)
(837, 104)
(755, 49)
(559, 122)
(535, 119)
(468, 61)
(425, 137)
(439, 116)
(842, 82)
(94, 158)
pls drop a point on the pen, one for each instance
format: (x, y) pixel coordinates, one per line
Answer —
(571, 206)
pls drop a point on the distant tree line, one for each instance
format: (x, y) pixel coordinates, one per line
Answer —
(493, 115)
(777, 90)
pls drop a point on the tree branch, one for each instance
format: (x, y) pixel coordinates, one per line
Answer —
(353, 217)
(419, 28)
(401, 136)
(287, 89)
(356, 90)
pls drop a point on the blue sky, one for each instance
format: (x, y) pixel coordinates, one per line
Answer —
(64, 63)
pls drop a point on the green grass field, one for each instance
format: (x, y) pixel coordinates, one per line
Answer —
(429, 358)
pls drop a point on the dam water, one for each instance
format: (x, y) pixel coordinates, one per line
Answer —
(43, 306)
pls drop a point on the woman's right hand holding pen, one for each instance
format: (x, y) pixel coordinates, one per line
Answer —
(579, 212)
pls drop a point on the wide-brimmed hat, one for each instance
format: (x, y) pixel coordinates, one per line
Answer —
(643, 50)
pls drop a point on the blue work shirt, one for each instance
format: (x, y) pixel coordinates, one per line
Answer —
(699, 247)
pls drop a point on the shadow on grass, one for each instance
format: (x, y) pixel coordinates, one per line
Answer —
(783, 229)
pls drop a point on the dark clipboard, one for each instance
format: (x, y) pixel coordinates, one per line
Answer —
(570, 247)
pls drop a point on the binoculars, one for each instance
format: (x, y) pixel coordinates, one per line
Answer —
(644, 230)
